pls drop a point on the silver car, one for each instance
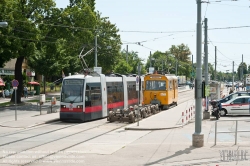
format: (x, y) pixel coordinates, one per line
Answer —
(239, 105)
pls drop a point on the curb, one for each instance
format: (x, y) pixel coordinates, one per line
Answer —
(37, 124)
(163, 128)
(45, 122)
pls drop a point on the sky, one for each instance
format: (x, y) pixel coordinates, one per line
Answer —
(159, 24)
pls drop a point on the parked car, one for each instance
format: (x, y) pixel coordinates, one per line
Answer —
(234, 95)
(238, 105)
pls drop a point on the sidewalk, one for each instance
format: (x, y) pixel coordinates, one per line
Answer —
(27, 122)
(167, 119)
(35, 97)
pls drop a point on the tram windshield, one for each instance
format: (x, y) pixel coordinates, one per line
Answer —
(72, 91)
(155, 85)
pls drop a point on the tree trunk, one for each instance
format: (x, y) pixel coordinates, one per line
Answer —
(19, 78)
(44, 84)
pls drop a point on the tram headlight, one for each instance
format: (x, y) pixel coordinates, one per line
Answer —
(63, 106)
(79, 106)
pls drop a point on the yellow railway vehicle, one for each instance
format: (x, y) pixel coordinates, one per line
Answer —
(160, 89)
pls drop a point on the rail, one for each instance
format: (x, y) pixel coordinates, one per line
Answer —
(236, 129)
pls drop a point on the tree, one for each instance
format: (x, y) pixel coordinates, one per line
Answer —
(181, 52)
(122, 67)
(109, 44)
(161, 61)
(21, 35)
(65, 30)
(130, 67)
(242, 69)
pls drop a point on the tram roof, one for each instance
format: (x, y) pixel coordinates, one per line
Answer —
(78, 76)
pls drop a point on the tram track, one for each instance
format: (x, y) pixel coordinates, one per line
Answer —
(35, 135)
(4, 135)
(68, 147)
(75, 143)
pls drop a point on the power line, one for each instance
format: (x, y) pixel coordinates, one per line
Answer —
(219, 50)
(247, 26)
(157, 31)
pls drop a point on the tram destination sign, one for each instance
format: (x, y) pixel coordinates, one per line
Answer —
(73, 82)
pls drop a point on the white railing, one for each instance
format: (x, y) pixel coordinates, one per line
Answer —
(236, 129)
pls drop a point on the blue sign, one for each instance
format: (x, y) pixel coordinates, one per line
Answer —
(15, 83)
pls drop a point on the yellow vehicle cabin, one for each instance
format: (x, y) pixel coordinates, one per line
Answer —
(160, 89)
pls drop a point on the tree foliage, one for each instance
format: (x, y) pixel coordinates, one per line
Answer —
(51, 39)
(20, 38)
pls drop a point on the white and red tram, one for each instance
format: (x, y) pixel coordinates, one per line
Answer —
(91, 97)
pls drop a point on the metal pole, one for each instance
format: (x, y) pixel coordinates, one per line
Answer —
(192, 68)
(162, 66)
(15, 106)
(150, 59)
(242, 69)
(198, 100)
(96, 51)
(176, 68)
(233, 76)
(127, 55)
(236, 130)
(198, 138)
(215, 133)
(215, 65)
(206, 62)
(139, 73)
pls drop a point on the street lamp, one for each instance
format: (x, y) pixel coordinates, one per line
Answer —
(3, 24)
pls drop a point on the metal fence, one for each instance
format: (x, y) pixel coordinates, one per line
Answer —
(236, 129)
(48, 106)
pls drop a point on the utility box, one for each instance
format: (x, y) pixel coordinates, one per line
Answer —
(215, 89)
(42, 98)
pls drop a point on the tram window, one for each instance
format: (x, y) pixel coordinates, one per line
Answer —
(94, 93)
(132, 90)
(72, 91)
(170, 85)
(155, 85)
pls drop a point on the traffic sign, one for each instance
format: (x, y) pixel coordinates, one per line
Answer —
(15, 83)
(207, 90)
(137, 83)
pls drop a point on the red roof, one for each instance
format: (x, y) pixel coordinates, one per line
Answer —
(33, 83)
(1, 82)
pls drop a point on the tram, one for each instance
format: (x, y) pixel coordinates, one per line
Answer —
(89, 97)
(160, 89)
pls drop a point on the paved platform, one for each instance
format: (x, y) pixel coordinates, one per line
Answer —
(172, 118)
